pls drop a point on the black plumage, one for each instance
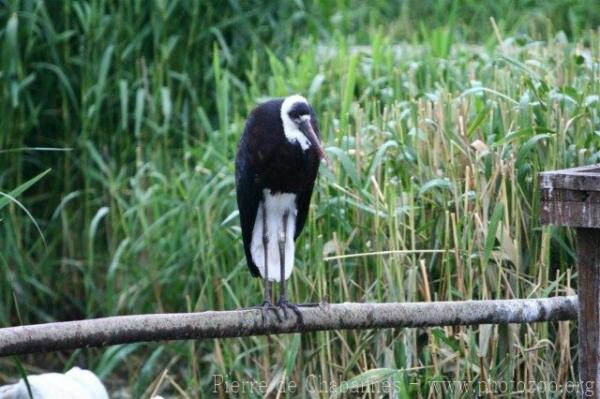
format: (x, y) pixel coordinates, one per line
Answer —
(266, 159)
(276, 166)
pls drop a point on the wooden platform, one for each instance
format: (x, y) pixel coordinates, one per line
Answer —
(571, 197)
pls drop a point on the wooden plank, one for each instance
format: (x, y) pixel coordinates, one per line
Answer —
(594, 168)
(588, 282)
(584, 179)
(570, 197)
(560, 194)
(572, 214)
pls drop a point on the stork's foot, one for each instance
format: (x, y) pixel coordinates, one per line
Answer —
(284, 305)
(266, 306)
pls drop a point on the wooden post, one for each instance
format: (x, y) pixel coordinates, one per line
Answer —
(571, 197)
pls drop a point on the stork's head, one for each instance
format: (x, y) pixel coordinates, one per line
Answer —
(298, 123)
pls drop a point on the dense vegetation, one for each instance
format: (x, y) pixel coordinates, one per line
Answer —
(118, 126)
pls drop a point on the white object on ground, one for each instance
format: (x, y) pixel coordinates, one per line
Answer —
(74, 384)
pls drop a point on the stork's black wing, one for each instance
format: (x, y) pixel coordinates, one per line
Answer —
(303, 204)
(248, 198)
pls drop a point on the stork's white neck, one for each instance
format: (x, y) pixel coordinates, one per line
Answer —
(290, 129)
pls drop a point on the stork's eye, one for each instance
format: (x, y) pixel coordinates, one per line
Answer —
(299, 111)
(296, 117)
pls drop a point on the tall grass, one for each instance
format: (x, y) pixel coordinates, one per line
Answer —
(435, 146)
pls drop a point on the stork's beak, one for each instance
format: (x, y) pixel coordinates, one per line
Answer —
(309, 132)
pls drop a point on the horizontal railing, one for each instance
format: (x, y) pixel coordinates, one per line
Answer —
(245, 322)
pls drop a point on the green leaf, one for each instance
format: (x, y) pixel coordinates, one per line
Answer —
(522, 134)
(529, 144)
(453, 343)
(435, 183)
(479, 89)
(291, 354)
(491, 233)
(6, 199)
(347, 163)
(348, 92)
(113, 356)
(378, 158)
(23, 375)
(96, 220)
(481, 116)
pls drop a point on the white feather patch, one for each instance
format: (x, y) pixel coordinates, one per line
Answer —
(276, 205)
(290, 129)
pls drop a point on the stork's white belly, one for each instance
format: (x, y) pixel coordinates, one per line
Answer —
(276, 205)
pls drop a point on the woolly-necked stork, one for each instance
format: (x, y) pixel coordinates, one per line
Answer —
(275, 170)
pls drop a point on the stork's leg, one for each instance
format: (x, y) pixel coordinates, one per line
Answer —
(283, 301)
(266, 305)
